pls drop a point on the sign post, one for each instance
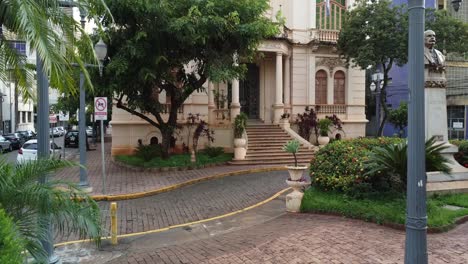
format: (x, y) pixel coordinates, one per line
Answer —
(52, 120)
(63, 116)
(100, 113)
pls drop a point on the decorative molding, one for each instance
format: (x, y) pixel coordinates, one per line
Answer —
(435, 84)
(331, 63)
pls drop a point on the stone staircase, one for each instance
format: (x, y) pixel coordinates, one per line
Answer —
(265, 147)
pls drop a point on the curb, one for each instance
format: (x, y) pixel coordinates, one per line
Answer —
(119, 197)
(184, 224)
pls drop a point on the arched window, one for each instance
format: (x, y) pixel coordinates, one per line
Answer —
(321, 87)
(339, 88)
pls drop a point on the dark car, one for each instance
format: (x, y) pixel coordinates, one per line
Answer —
(28, 134)
(71, 138)
(16, 139)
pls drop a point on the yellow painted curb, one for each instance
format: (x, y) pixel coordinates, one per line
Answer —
(182, 225)
(129, 196)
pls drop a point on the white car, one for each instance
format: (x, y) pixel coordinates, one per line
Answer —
(29, 151)
(62, 130)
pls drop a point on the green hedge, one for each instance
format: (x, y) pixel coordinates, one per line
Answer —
(339, 166)
(10, 245)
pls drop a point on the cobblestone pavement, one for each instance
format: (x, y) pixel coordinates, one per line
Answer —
(121, 180)
(195, 202)
(303, 238)
(191, 203)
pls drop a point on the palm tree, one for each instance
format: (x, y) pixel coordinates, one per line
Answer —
(52, 34)
(30, 204)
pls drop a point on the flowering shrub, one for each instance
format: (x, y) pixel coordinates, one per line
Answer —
(339, 166)
(462, 155)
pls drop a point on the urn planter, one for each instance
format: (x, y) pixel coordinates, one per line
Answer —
(239, 148)
(296, 172)
(322, 141)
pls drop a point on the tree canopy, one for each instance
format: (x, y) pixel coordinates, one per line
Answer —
(375, 34)
(175, 46)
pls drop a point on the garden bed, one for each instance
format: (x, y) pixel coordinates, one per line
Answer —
(174, 162)
(387, 209)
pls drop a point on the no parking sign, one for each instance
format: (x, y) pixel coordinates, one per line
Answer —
(100, 108)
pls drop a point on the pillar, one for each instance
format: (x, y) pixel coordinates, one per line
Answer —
(287, 85)
(278, 106)
(211, 104)
(235, 105)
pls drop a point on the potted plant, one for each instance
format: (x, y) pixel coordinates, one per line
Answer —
(295, 172)
(240, 122)
(324, 129)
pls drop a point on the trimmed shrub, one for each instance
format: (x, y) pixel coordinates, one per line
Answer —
(10, 245)
(213, 151)
(339, 166)
(148, 152)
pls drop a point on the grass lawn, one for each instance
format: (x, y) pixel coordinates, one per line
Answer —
(179, 160)
(384, 209)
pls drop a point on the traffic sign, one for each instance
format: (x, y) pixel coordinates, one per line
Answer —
(63, 116)
(53, 118)
(100, 108)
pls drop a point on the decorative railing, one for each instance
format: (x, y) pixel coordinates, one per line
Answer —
(222, 114)
(329, 109)
(326, 35)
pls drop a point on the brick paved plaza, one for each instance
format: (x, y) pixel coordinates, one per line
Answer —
(265, 234)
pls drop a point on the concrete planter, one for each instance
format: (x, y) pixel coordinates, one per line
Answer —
(323, 140)
(295, 173)
(239, 148)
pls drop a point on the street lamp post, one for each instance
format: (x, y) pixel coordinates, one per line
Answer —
(416, 212)
(376, 85)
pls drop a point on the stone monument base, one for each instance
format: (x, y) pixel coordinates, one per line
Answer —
(455, 181)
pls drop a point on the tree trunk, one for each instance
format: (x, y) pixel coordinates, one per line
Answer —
(166, 142)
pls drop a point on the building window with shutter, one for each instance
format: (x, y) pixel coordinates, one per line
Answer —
(321, 87)
(339, 88)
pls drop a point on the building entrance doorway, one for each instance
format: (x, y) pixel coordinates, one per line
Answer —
(249, 92)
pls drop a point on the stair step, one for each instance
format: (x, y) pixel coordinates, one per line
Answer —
(273, 151)
(266, 140)
(285, 155)
(280, 158)
(263, 162)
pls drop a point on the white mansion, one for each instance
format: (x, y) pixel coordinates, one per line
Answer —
(299, 68)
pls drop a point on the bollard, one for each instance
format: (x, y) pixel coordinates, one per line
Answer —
(113, 210)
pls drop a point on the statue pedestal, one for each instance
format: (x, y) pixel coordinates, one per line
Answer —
(436, 125)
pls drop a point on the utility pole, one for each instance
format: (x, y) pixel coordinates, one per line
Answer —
(416, 212)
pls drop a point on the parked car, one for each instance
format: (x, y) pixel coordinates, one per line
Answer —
(89, 131)
(20, 137)
(16, 142)
(5, 145)
(72, 138)
(54, 132)
(28, 134)
(29, 151)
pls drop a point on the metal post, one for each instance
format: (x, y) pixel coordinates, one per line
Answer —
(82, 124)
(103, 159)
(43, 145)
(416, 216)
(377, 106)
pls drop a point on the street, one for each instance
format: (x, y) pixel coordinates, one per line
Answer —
(10, 157)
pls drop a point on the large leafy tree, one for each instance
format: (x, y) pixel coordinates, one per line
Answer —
(52, 33)
(175, 46)
(375, 35)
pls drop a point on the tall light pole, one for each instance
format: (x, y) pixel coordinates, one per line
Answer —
(43, 145)
(84, 184)
(416, 213)
(376, 85)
